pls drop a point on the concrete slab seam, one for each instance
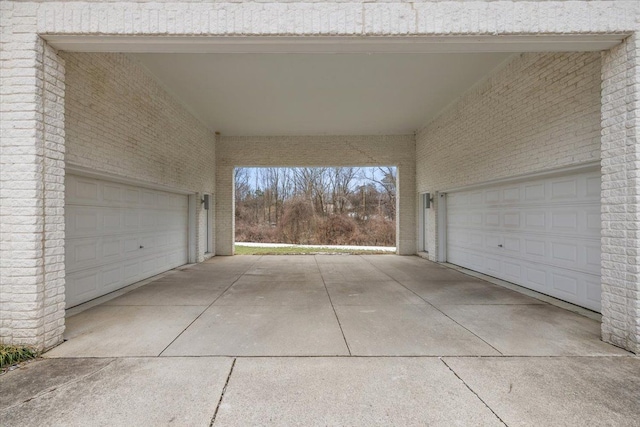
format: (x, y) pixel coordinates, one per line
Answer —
(224, 389)
(51, 390)
(430, 304)
(209, 306)
(332, 306)
(472, 391)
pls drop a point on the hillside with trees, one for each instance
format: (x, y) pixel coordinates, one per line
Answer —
(332, 206)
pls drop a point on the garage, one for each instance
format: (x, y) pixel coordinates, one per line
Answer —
(542, 233)
(118, 234)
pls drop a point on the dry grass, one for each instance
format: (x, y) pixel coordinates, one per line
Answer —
(301, 250)
(10, 355)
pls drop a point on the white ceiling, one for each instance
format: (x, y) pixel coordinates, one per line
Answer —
(316, 94)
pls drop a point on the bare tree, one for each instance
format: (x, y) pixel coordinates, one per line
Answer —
(385, 179)
(341, 182)
(242, 183)
(311, 182)
(342, 205)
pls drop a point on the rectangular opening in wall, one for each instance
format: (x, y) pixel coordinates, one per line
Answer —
(315, 210)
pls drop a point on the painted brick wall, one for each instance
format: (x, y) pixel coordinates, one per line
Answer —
(119, 120)
(536, 112)
(317, 151)
(32, 90)
(22, 57)
(338, 17)
(620, 189)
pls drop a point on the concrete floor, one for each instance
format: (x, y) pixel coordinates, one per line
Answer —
(325, 340)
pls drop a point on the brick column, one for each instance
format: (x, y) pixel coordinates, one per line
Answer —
(225, 209)
(621, 195)
(406, 225)
(31, 184)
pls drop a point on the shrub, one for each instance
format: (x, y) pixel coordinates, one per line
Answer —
(336, 230)
(298, 221)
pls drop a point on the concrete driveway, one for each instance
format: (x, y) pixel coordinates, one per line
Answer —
(325, 340)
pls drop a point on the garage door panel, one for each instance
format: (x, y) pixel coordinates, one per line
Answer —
(82, 251)
(131, 270)
(112, 276)
(82, 221)
(535, 220)
(535, 277)
(131, 196)
(512, 244)
(149, 198)
(593, 291)
(564, 252)
(131, 220)
(511, 220)
(592, 257)
(593, 220)
(118, 234)
(81, 286)
(492, 196)
(512, 271)
(111, 220)
(543, 234)
(536, 249)
(511, 194)
(534, 192)
(111, 249)
(148, 219)
(564, 284)
(593, 187)
(113, 194)
(493, 265)
(564, 189)
(474, 218)
(492, 241)
(82, 191)
(473, 240)
(492, 219)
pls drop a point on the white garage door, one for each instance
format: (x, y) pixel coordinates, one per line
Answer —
(118, 234)
(543, 234)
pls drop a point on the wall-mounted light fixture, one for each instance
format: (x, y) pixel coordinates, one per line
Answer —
(205, 202)
(427, 200)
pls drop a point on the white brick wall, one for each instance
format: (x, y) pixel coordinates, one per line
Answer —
(31, 184)
(119, 120)
(317, 151)
(620, 190)
(338, 17)
(30, 221)
(537, 112)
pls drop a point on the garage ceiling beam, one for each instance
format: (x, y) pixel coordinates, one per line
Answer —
(290, 44)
